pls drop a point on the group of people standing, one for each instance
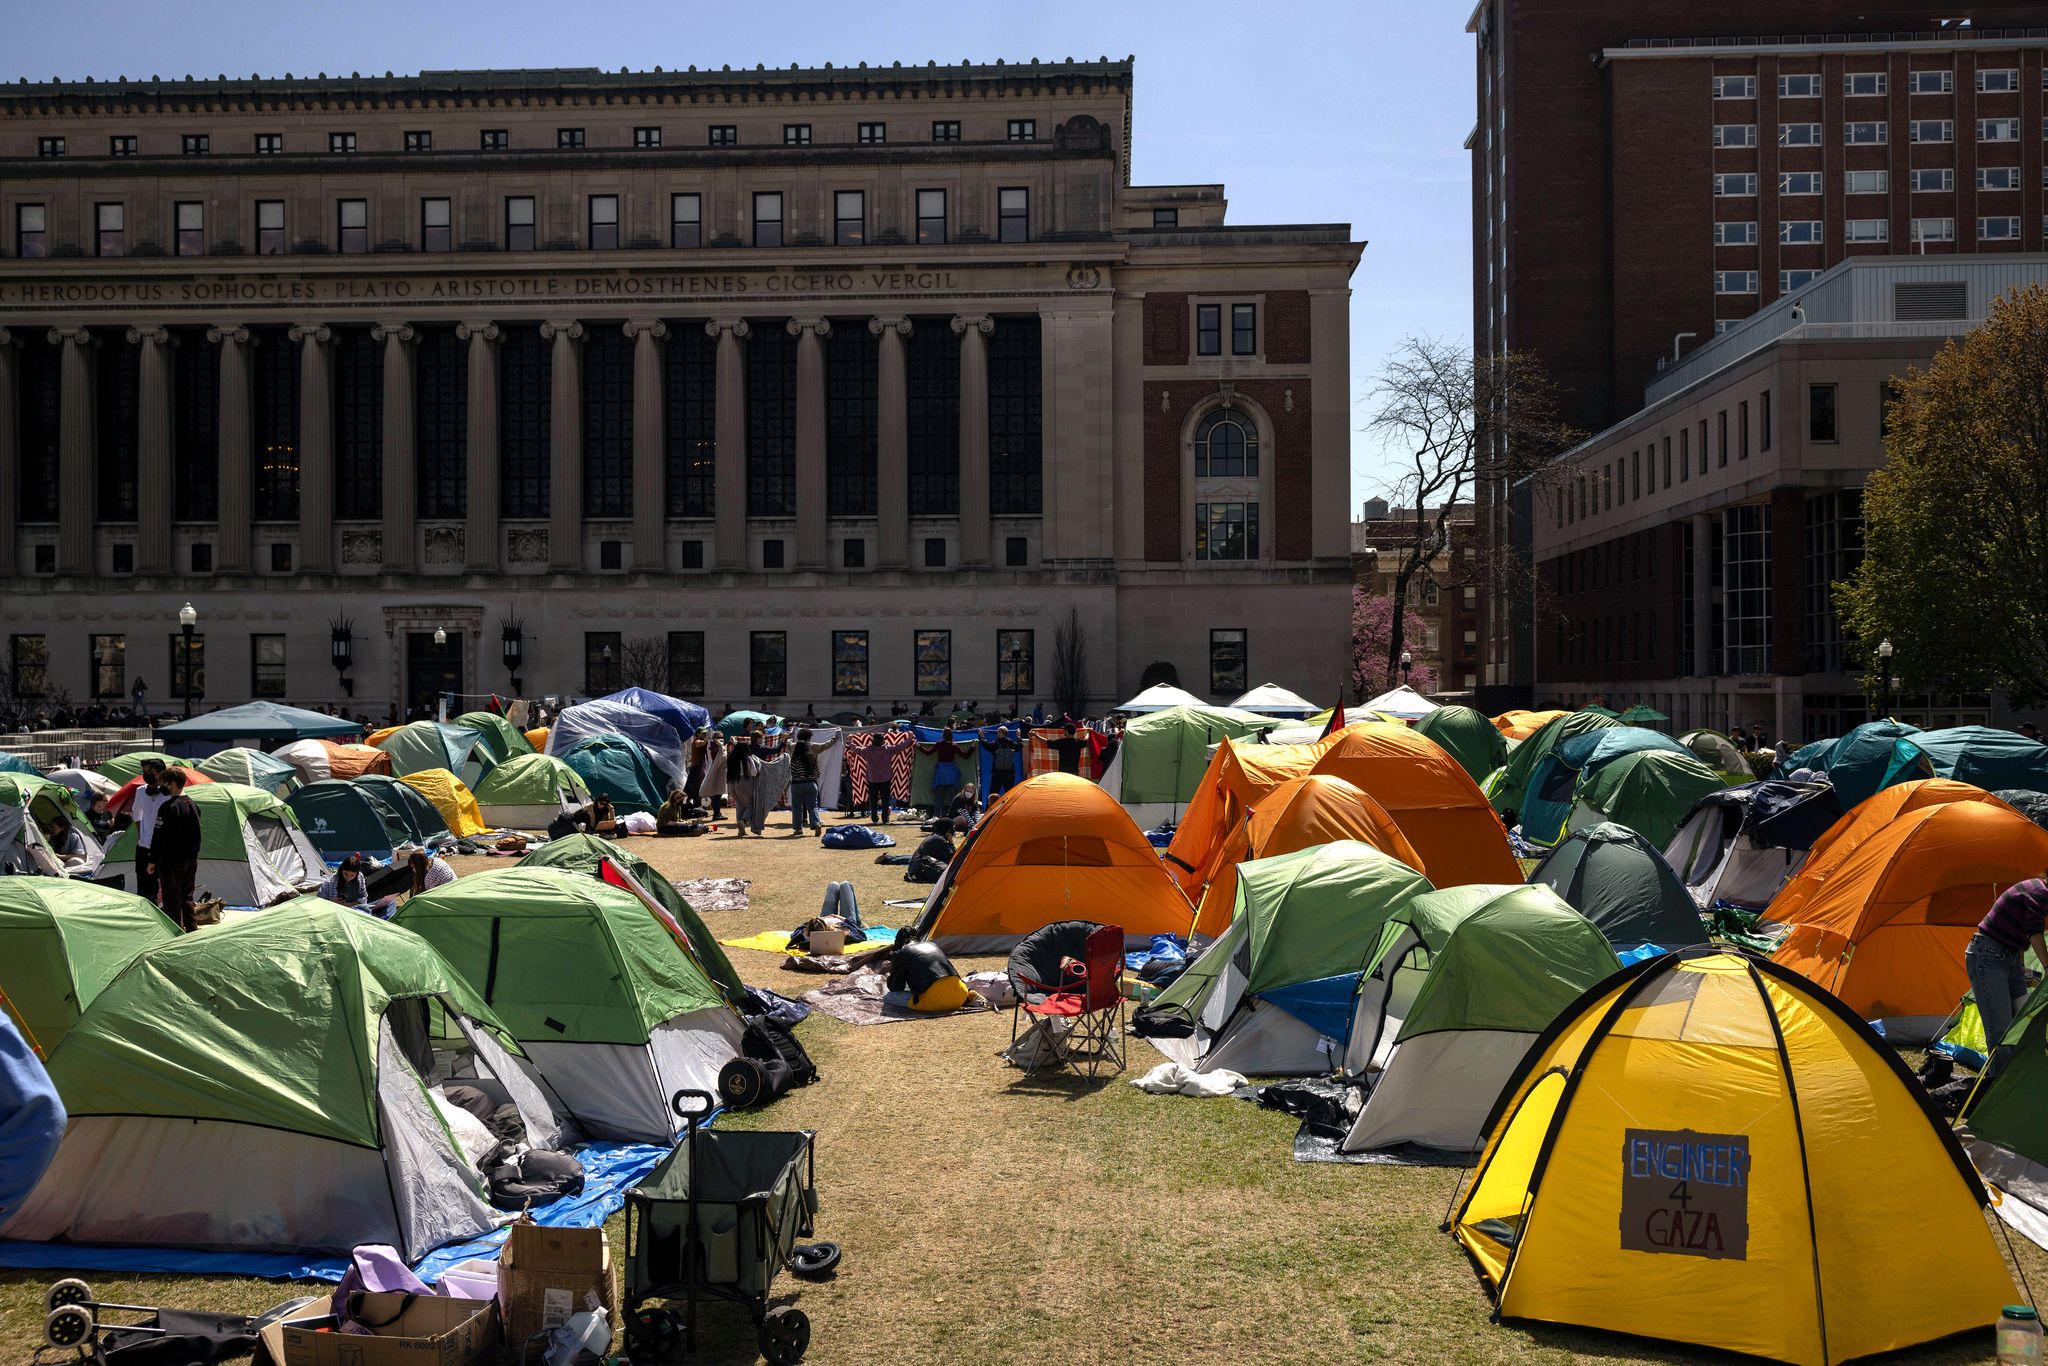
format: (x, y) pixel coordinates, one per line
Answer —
(167, 838)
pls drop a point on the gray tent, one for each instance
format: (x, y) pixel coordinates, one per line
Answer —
(1617, 879)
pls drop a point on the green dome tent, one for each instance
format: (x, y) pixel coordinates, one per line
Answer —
(122, 767)
(1719, 753)
(262, 1085)
(1165, 753)
(586, 854)
(251, 850)
(424, 823)
(250, 768)
(341, 818)
(503, 739)
(1466, 735)
(1556, 785)
(1507, 786)
(422, 745)
(1649, 791)
(1464, 980)
(615, 1013)
(27, 806)
(2008, 1123)
(1617, 879)
(527, 792)
(61, 942)
(1281, 979)
(611, 765)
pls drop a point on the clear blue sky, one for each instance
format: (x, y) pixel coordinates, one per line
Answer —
(1347, 111)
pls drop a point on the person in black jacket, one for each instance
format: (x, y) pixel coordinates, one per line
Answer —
(176, 850)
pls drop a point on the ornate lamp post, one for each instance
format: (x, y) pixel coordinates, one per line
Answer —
(514, 639)
(341, 650)
(188, 618)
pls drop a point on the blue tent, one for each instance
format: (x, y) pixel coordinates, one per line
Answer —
(1554, 782)
(1860, 763)
(685, 718)
(1978, 755)
(14, 763)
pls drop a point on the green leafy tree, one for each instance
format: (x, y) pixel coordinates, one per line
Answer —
(1955, 558)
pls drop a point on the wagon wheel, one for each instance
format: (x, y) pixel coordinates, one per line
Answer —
(71, 1325)
(69, 1291)
(785, 1334)
(652, 1334)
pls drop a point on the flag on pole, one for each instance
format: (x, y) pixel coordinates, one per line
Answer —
(1336, 722)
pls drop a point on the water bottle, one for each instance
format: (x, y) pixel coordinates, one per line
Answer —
(2019, 1336)
(587, 1336)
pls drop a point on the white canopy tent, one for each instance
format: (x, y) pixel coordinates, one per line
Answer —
(1161, 696)
(1403, 702)
(1270, 699)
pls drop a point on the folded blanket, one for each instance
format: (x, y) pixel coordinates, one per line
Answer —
(1172, 1079)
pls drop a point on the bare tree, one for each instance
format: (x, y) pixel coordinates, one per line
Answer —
(1459, 421)
(1070, 666)
(643, 663)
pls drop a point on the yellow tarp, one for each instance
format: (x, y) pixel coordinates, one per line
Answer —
(451, 797)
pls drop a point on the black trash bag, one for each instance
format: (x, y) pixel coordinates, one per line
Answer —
(188, 1338)
(519, 1176)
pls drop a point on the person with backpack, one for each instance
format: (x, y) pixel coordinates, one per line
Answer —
(932, 854)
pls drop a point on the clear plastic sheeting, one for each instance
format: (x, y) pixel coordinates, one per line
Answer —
(580, 722)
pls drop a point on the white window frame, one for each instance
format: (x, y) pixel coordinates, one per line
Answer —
(1723, 237)
(1799, 135)
(1881, 182)
(1734, 87)
(1735, 135)
(1785, 183)
(2005, 221)
(2009, 85)
(1866, 230)
(1945, 174)
(1724, 278)
(1998, 130)
(1786, 284)
(2011, 175)
(1879, 83)
(1800, 232)
(1743, 178)
(1879, 131)
(1944, 128)
(1811, 80)
(1944, 82)
(1944, 230)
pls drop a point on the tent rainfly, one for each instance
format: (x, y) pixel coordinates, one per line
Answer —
(528, 792)
(27, 807)
(319, 759)
(348, 818)
(1403, 702)
(61, 942)
(424, 824)
(1467, 736)
(251, 850)
(451, 797)
(1270, 699)
(1741, 844)
(250, 768)
(1159, 697)
(1165, 753)
(1617, 879)
(656, 736)
(683, 717)
(614, 766)
(501, 738)
(262, 722)
(422, 745)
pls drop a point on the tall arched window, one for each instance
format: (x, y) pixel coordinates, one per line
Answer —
(1227, 486)
(1226, 446)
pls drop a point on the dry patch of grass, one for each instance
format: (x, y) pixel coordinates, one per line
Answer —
(994, 1219)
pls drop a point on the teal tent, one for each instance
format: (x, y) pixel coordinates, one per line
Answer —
(1979, 755)
(342, 818)
(1860, 764)
(270, 723)
(14, 763)
(613, 766)
(250, 768)
(1508, 785)
(732, 723)
(502, 739)
(1555, 782)
(1466, 735)
(422, 745)
(423, 820)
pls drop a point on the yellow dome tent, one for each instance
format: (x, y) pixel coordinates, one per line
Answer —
(1708, 1149)
(451, 797)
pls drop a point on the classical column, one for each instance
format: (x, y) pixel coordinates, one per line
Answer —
(237, 471)
(973, 332)
(10, 450)
(650, 446)
(76, 451)
(730, 480)
(892, 445)
(565, 446)
(811, 539)
(480, 530)
(316, 447)
(155, 499)
(401, 459)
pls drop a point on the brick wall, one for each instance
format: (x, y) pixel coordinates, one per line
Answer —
(1620, 608)
(1285, 525)
(1287, 339)
(1166, 330)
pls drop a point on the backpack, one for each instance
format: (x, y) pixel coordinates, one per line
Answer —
(519, 1176)
(771, 1064)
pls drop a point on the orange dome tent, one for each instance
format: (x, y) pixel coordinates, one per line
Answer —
(1434, 801)
(1873, 814)
(1299, 814)
(1520, 725)
(538, 738)
(1055, 848)
(1239, 776)
(1884, 922)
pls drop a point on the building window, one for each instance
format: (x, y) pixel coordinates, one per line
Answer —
(1736, 135)
(935, 552)
(931, 218)
(49, 147)
(1734, 234)
(1998, 229)
(1998, 80)
(771, 423)
(1934, 230)
(1722, 462)
(1734, 87)
(1998, 177)
(604, 222)
(1016, 663)
(341, 142)
(1870, 133)
(493, 140)
(1932, 130)
(525, 420)
(46, 558)
(1013, 215)
(419, 140)
(1998, 130)
(1735, 185)
(1803, 230)
(1789, 280)
(352, 217)
(796, 135)
(31, 665)
(1867, 230)
(1208, 329)
(1746, 583)
(932, 658)
(853, 553)
(1820, 412)
(1166, 218)
(1023, 130)
(1742, 430)
(1684, 455)
(1934, 180)
(197, 144)
(685, 220)
(1016, 552)
(1865, 83)
(690, 383)
(1799, 135)
(768, 219)
(568, 139)
(931, 365)
(1764, 420)
(610, 554)
(436, 228)
(1226, 446)
(1735, 282)
(1227, 663)
(1226, 531)
(31, 230)
(191, 228)
(270, 227)
(269, 144)
(1834, 547)
(607, 419)
(121, 145)
(519, 232)
(1798, 182)
(646, 138)
(1244, 329)
(686, 661)
(851, 408)
(1016, 444)
(266, 666)
(111, 238)
(871, 133)
(358, 398)
(849, 217)
(723, 135)
(849, 663)
(692, 554)
(768, 663)
(946, 130)
(1866, 182)
(602, 662)
(1931, 82)
(188, 667)
(109, 666)
(1798, 87)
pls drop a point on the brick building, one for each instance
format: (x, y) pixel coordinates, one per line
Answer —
(1445, 594)
(839, 386)
(1641, 182)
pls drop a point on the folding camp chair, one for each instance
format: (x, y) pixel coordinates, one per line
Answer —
(1086, 999)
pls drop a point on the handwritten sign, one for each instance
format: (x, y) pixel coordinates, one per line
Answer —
(1685, 1193)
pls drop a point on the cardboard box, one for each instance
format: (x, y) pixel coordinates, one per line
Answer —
(430, 1331)
(545, 1275)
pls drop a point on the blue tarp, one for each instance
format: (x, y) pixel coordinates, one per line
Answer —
(685, 718)
(1324, 1005)
(609, 1169)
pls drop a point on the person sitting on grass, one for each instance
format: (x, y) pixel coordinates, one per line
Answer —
(675, 814)
(428, 871)
(932, 854)
(346, 886)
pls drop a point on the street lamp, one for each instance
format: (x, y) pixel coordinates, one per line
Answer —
(440, 637)
(341, 649)
(187, 619)
(1407, 663)
(514, 640)
(1884, 677)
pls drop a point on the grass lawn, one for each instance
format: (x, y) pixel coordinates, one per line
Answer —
(990, 1218)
